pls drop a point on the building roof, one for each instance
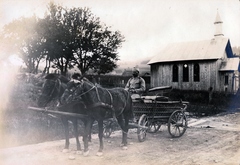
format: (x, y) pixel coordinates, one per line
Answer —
(196, 50)
(230, 64)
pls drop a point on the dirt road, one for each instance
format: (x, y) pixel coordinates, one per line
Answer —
(207, 141)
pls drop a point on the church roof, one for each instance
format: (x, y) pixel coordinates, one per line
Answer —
(196, 50)
(230, 64)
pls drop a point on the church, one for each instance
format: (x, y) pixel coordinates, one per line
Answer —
(198, 65)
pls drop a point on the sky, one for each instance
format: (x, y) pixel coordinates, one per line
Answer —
(147, 25)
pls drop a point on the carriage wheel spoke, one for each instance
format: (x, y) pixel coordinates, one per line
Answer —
(177, 124)
(142, 131)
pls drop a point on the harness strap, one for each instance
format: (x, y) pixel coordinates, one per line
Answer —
(113, 110)
(98, 95)
(125, 103)
(111, 98)
(87, 91)
(102, 104)
(59, 88)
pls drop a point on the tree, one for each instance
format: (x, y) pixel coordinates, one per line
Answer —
(21, 37)
(65, 38)
(75, 37)
(97, 45)
(56, 39)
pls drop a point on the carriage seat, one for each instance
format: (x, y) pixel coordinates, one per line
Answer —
(155, 98)
(138, 98)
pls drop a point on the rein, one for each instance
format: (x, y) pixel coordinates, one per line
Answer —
(99, 103)
(102, 104)
(87, 91)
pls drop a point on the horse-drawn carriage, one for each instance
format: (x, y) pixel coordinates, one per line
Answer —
(99, 103)
(154, 110)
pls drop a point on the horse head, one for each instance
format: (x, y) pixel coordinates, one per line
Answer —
(85, 91)
(53, 87)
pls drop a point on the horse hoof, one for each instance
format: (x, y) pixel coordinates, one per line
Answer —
(99, 154)
(121, 145)
(71, 157)
(124, 147)
(79, 152)
(65, 150)
(86, 153)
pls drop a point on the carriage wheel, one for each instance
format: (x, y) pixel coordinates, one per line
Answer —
(107, 129)
(153, 127)
(141, 131)
(177, 123)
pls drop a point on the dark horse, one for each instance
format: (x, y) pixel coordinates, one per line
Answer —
(53, 88)
(102, 103)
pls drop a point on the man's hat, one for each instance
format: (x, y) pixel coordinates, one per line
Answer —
(135, 69)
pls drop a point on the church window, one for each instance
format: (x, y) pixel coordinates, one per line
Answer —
(175, 73)
(196, 73)
(185, 73)
(226, 80)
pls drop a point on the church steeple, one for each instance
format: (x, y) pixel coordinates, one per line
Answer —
(218, 26)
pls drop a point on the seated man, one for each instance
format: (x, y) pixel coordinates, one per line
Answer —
(136, 84)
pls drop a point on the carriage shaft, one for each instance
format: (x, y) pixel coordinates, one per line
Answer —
(137, 125)
(75, 115)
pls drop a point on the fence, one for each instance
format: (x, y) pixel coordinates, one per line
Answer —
(111, 81)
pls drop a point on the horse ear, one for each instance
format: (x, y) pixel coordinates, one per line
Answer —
(82, 78)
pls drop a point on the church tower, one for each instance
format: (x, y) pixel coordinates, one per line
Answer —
(218, 26)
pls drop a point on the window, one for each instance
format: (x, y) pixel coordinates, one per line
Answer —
(185, 73)
(175, 73)
(226, 80)
(196, 73)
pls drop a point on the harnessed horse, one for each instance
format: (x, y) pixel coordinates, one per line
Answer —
(53, 88)
(102, 103)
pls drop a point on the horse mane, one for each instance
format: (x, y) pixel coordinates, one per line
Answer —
(54, 76)
(51, 76)
(64, 79)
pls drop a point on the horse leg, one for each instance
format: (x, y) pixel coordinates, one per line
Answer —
(87, 131)
(124, 127)
(66, 131)
(75, 125)
(125, 130)
(100, 136)
(90, 134)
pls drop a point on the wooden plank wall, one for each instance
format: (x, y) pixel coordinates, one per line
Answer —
(161, 75)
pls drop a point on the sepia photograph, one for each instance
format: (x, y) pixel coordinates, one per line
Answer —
(124, 82)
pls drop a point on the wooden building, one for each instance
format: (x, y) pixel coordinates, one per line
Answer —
(198, 65)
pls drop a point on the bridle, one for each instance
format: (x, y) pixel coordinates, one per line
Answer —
(57, 87)
(99, 103)
(83, 93)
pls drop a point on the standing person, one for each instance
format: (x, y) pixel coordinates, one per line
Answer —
(136, 84)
